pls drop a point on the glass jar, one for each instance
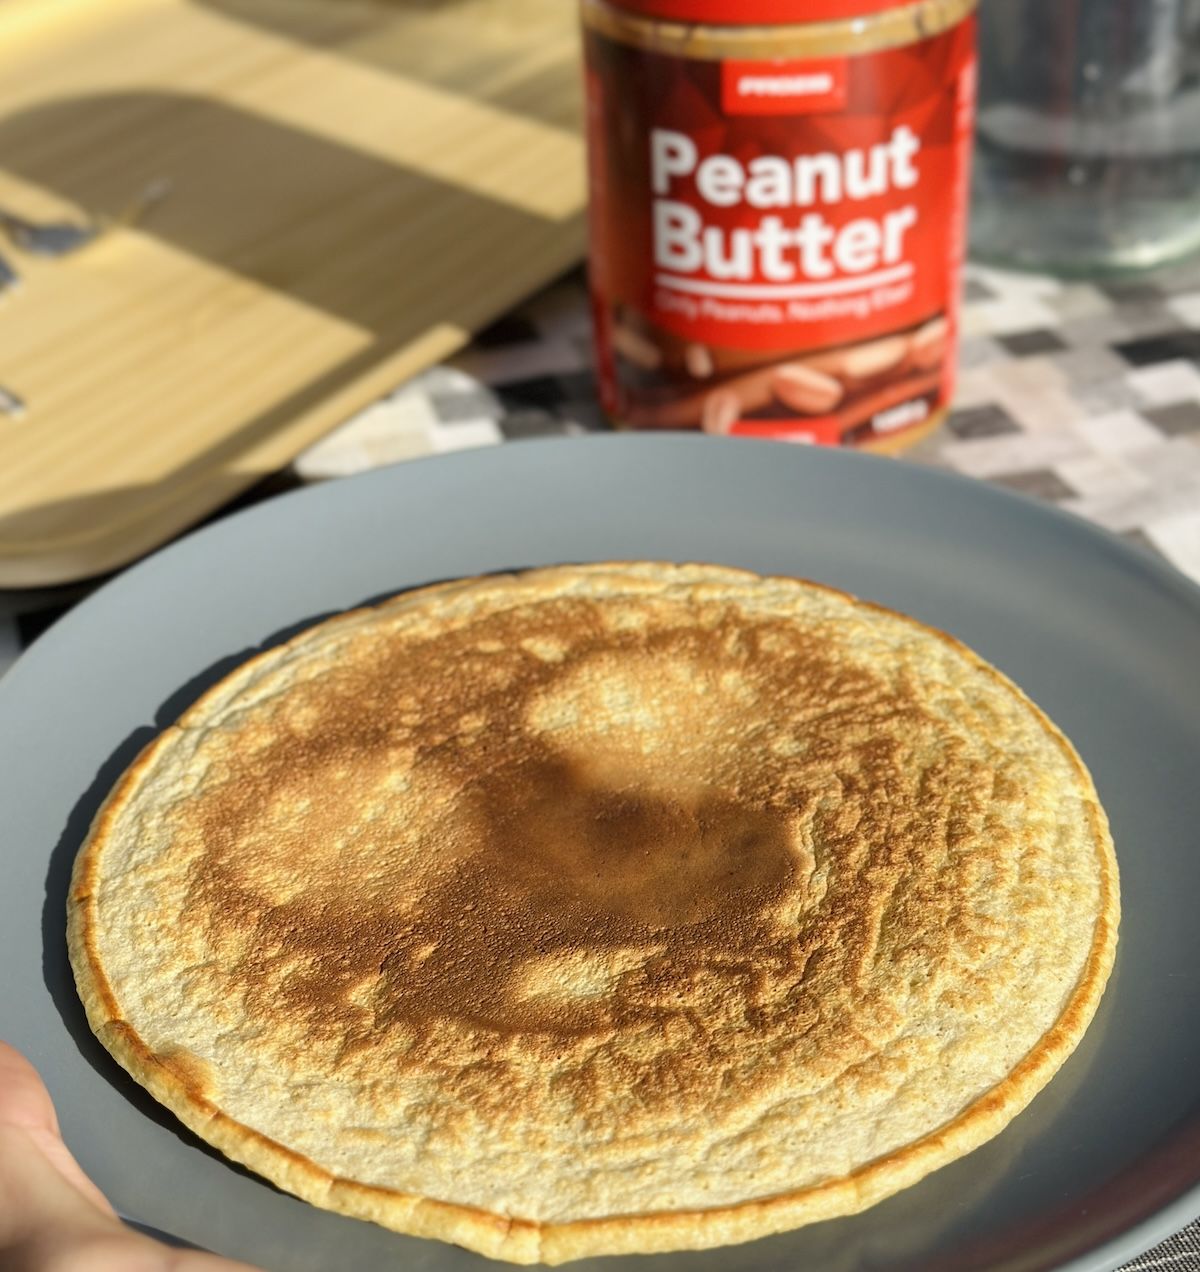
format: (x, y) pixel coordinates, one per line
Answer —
(778, 196)
(1088, 145)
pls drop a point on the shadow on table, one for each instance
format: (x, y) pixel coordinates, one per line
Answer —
(463, 47)
(339, 231)
(328, 225)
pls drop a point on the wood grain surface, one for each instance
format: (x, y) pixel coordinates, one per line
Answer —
(354, 188)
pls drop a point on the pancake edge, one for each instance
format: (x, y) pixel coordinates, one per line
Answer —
(176, 1085)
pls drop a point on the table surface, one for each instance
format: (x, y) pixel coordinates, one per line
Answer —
(1085, 395)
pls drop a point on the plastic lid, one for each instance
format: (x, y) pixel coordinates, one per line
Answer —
(757, 12)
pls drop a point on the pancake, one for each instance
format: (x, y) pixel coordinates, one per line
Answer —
(599, 909)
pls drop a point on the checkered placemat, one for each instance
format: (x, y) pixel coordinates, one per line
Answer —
(1085, 395)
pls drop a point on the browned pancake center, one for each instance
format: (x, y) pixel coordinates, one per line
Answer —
(594, 830)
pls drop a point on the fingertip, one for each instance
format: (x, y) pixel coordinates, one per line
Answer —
(24, 1100)
(26, 1107)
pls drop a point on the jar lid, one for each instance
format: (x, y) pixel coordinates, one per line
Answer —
(757, 12)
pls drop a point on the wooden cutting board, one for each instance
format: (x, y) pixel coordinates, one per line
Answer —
(355, 187)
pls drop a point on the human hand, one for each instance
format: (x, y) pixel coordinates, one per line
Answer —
(52, 1217)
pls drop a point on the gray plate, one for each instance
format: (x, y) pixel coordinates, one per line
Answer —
(1103, 1163)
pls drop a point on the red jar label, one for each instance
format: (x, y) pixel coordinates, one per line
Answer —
(776, 245)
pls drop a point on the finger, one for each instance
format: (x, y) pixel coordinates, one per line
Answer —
(118, 1250)
(25, 1105)
(56, 1209)
(24, 1100)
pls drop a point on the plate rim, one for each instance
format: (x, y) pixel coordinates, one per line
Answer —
(1164, 1221)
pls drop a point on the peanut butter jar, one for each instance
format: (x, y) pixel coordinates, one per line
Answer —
(777, 215)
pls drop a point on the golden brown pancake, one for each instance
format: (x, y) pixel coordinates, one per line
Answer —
(599, 909)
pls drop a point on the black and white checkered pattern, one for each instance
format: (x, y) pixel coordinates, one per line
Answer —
(1084, 395)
